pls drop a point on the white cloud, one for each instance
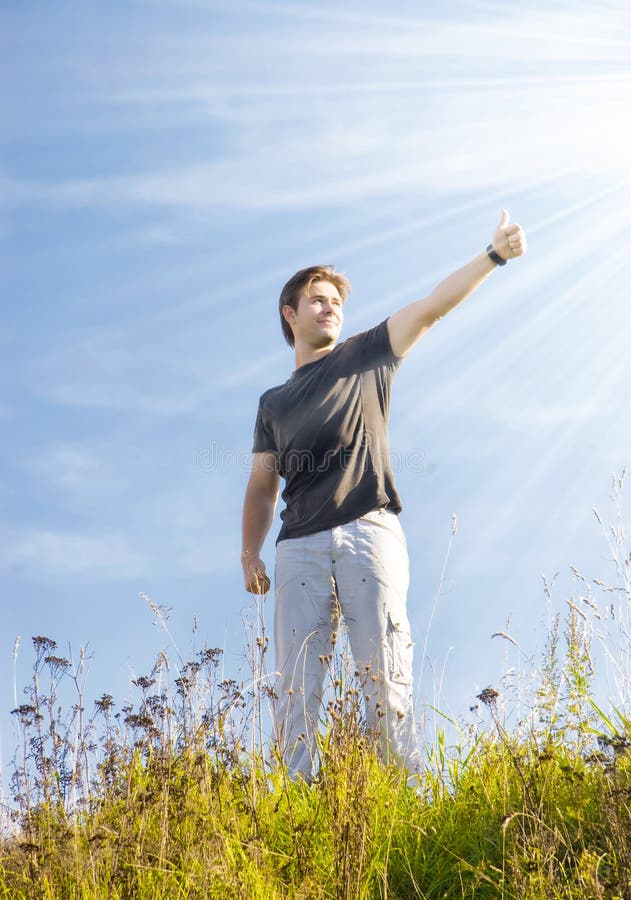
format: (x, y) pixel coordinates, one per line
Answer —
(73, 468)
(321, 118)
(124, 369)
(43, 552)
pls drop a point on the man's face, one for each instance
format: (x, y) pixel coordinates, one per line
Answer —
(319, 317)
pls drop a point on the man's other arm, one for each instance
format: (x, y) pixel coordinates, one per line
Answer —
(261, 495)
(410, 323)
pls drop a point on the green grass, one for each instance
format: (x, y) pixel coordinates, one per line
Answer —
(179, 805)
(180, 795)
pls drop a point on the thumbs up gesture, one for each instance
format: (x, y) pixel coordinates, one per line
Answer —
(509, 239)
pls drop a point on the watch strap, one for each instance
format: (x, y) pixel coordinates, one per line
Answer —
(497, 259)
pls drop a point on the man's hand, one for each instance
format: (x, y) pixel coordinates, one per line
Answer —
(256, 581)
(509, 240)
(258, 511)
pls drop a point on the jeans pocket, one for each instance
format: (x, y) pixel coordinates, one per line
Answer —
(289, 563)
(394, 524)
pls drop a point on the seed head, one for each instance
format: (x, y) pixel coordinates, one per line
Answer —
(489, 696)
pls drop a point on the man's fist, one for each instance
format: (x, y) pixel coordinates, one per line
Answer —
(256, 581)
(509, 240)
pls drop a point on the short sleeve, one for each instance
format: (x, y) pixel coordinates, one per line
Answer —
(263, 437)
(377, 348)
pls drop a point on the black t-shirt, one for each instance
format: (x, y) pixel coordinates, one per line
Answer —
(327, 426)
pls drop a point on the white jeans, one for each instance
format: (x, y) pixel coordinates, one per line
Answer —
(362, 570)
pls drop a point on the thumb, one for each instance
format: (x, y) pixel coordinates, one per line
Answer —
(505, 218)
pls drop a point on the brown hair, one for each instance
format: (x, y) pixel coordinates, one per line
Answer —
(302, 280)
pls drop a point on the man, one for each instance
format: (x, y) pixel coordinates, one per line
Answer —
(341, 549)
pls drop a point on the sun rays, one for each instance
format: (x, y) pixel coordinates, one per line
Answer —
(167, 169)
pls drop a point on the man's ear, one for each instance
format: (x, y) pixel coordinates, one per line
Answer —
(289, 314)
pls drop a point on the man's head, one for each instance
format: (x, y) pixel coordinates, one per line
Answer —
(335, 287)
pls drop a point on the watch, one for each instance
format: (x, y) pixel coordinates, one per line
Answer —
(495, 256)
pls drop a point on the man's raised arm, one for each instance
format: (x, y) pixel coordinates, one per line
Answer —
(259, 504)
(411, 322)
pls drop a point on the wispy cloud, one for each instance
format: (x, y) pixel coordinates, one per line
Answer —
(375, 152)
(127, 369)
(359, 115)
(77, 470)
(42, 553)
(145, 513)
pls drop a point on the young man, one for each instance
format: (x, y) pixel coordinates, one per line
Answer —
(341, 549)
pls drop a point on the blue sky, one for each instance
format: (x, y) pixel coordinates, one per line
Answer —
(166, 166)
